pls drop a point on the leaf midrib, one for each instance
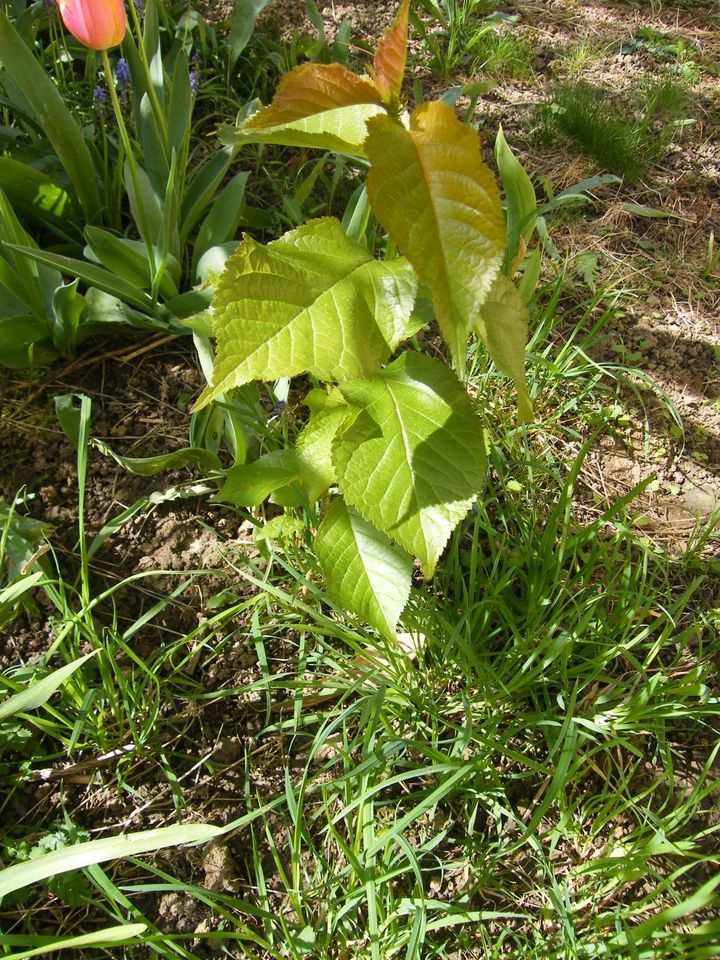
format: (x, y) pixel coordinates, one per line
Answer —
(287, 327)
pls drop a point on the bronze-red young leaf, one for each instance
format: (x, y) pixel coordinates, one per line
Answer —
(314, 88)
(389, 64)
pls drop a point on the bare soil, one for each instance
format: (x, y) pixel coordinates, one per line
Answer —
(669, 327)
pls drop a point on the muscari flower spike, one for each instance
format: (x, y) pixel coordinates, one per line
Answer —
(122, 72)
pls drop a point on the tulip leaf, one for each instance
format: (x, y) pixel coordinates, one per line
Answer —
(96, 276)
(180, 107)
(241, 24)
(388, 67)
(24, 342)
(35, 193)
(503, 328)
(364, 572)
(127, 259)
(521, 204)
(57, 122)
(202, 188)
(316, 105)
(410, 457)
(79, 855)
(311, 302)
(436, 198)
(223, 219)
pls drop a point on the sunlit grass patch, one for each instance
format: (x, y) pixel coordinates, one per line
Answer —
(625, 140)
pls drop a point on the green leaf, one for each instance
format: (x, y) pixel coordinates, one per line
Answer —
(147, 201)
(248, 484)
(316, 105)
(154, 157)
(96, 276)
(242, 23)
(312, 301)
(102, 309)
(108, 937)
(223, 219)
(313, 450)
(38, 694)
(149, 466)
(283, 528)
(35, 193)
(364, 572)
(81, 855)
(503, 328)
(56, 120)
(24, 343)
(530, 275)
(211, 265)
(439, 202)
(28, 282)
(201, 190)
(68, 307)
(128, 259)
(520, 198)
(411, 455)
(181, 104)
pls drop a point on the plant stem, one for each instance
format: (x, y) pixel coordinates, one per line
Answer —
(127, 146)
(152, 95)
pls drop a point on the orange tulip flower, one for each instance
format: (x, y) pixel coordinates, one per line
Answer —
(99, 24)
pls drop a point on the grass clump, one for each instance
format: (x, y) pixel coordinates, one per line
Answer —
(504, 53)
(626, 141)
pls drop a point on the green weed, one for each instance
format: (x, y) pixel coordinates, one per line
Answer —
(539, 781)
(503, 53)
(577, 59)
(625, 141)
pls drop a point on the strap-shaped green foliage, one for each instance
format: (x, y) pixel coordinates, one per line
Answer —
(411, 456)
(311, 302)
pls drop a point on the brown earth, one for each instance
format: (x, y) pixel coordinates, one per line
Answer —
(668, 325)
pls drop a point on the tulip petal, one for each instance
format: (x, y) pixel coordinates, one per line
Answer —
(98, 24)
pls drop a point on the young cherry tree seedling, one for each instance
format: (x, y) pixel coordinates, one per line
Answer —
(394, 450)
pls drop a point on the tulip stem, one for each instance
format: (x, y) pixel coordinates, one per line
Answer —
(154, 102)
(134, 176)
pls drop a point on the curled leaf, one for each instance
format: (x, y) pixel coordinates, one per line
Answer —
(316, 105)
(388, 67)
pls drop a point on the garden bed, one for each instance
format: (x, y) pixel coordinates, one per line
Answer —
(540, 778)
